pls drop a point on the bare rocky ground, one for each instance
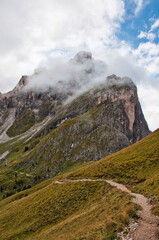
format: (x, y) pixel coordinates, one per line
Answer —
(3, 155)
(7, 124)
(36, 128)
(146, 228)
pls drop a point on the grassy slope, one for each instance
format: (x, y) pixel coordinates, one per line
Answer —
(49, 211)
(84, 210)
(136, 166)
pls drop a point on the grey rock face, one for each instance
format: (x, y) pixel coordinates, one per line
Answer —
(119, 108)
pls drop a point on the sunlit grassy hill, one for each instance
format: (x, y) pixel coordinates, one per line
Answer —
(85, 210)
(137, 166)
(82, 210)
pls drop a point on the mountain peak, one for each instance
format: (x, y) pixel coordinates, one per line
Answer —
(124, 81)
(23, 80)
(82, 57)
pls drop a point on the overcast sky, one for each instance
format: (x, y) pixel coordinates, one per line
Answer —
(123, 33)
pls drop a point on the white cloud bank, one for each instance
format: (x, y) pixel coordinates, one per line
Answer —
(33, 30)
(76, 75)
(148, 52)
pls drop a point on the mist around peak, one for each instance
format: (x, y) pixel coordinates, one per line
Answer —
(73, 77)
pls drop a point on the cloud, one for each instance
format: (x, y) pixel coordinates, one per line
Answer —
(76, 75)
(147, 53)
(148, 56)
(155, 25)
(147, 35)
(150, 103)
(33, 30)
(139, 6)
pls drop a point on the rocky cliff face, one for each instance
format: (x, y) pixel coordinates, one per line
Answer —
(128, 116)
(119, 108)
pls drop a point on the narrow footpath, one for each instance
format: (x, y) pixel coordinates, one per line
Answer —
(148, 228)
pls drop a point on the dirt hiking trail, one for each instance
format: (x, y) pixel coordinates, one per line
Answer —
(148, 228)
